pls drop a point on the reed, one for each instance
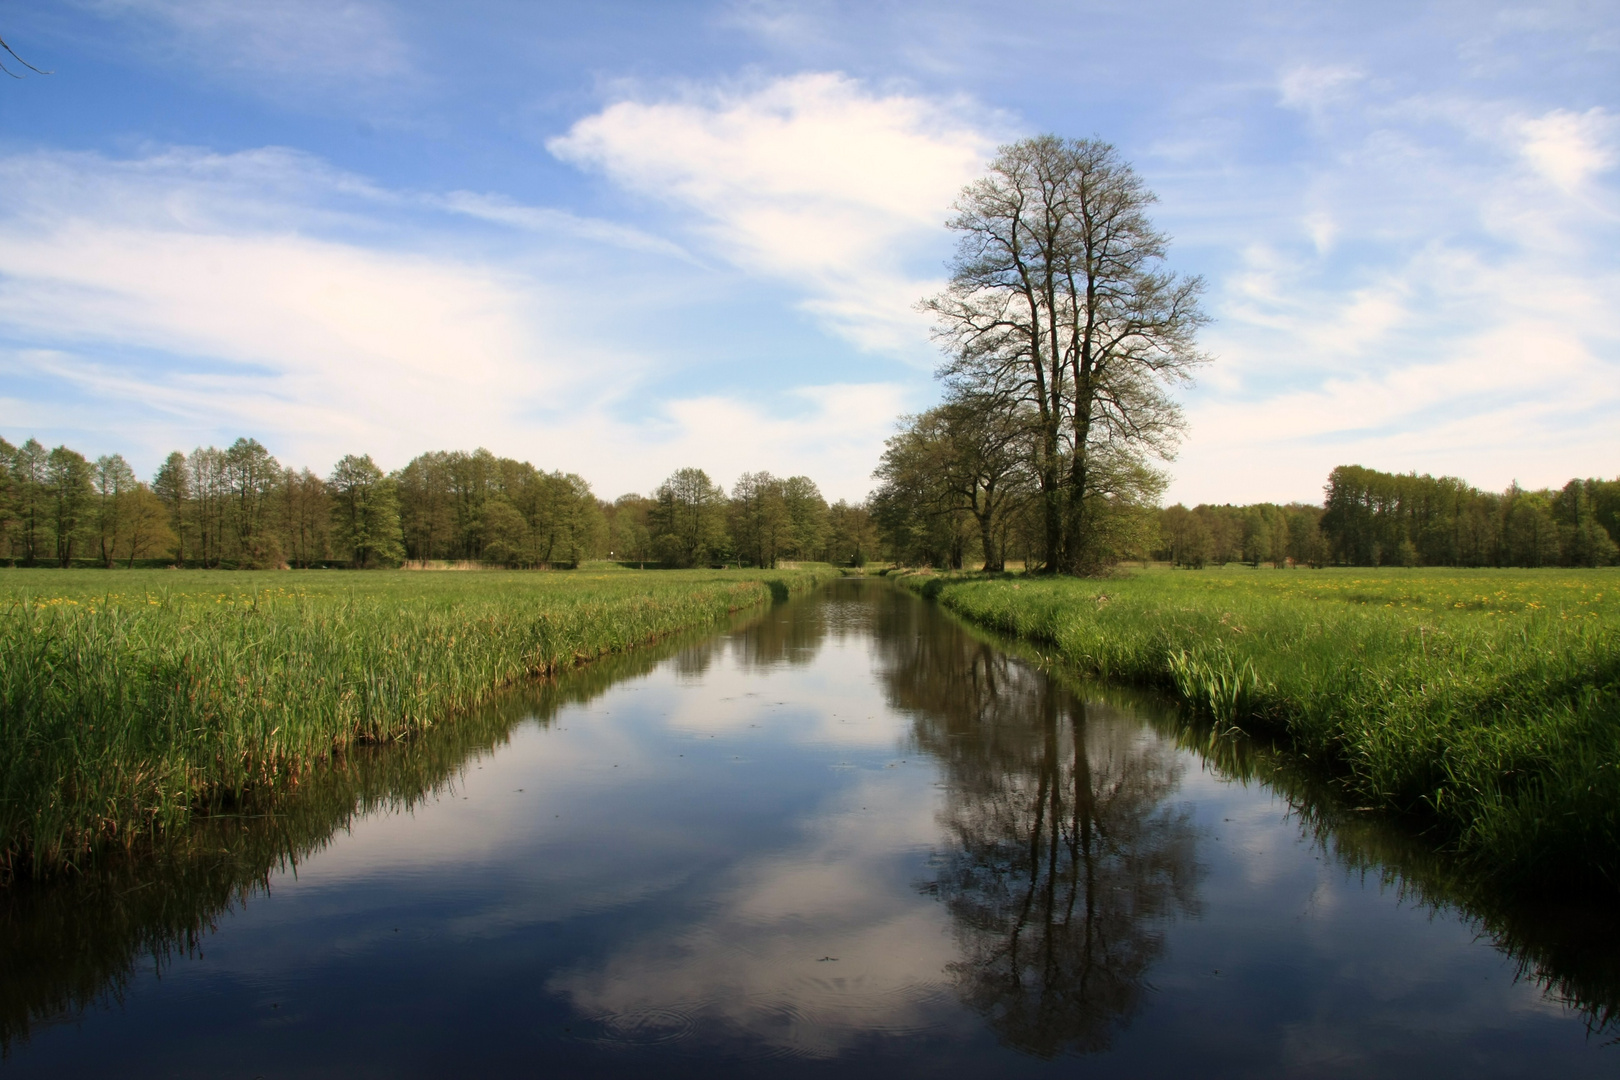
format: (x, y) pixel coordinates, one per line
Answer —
(1483, 705)
(132, 702)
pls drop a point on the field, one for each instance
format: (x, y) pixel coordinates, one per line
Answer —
(131, 701)
(1482, 705)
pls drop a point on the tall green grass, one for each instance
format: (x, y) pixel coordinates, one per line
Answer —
(131, 702)
(1484, 705)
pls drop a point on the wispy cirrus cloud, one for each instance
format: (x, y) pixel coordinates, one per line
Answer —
(549, 220)
(291, 50)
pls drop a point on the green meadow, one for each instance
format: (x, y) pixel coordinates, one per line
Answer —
(1483, 706)
(136, 701)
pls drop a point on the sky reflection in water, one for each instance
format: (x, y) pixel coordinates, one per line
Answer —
(848, 836)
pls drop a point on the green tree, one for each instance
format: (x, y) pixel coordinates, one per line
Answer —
(365, 513)
(306, 517)
(807, 517)
(1530, 532)
(113, 482)
(918, 507)
(564, 520)
(687, 519)
(969, 456)
(1583, 541)
(761, 525)
(144, 530)
(629, 531)
(1185, 537)
(1306, 545)
(251, 481)
(172, 486)
(505, 533)
(8, 507)
(426, 515)
(474, 479)
(31, 502)
(851, 538)
(67, 484)
(209, 495)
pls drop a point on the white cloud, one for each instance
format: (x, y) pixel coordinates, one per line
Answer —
(1567, 147)
(201, 259)
(1447, 306)
(1448, 364)
(756, 966)
(813, 179)
(187, 297)
(846, 423)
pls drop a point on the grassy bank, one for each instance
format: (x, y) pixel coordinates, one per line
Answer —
(1483, 704)
(132, 701)
(71, 941)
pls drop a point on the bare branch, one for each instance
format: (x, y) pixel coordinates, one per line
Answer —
(19, 60)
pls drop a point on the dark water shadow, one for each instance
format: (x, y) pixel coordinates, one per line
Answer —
(1567, 947)
(70, 944)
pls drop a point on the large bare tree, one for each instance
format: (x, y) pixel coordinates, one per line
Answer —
(1060, 303)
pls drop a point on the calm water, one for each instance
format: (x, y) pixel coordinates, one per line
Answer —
(847, 837)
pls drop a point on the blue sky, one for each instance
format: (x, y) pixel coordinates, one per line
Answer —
(618, 238)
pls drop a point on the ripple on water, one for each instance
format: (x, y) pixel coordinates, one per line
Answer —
(645, 1027)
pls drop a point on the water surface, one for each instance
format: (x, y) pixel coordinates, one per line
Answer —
(847, 837)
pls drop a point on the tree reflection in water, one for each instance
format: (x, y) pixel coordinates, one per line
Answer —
(1068, 859)
(788, 634)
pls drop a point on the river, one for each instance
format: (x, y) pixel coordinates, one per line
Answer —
(846, 836)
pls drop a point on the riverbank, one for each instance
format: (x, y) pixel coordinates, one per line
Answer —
(1484, 706)
(132, 702)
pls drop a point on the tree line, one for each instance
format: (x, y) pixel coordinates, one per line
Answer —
(1377, 518)
(1367, 518)
(240, 508)
(954, 492)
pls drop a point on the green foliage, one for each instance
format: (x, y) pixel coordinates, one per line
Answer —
(851, 537)
(69, 501)
(1374, 519)
(687, 519)
(365, 513)
(1256, 534)
(240, 509)
(628, 532)
(771, 518)
(1484, 703)
(125, 713)
(461, 506)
